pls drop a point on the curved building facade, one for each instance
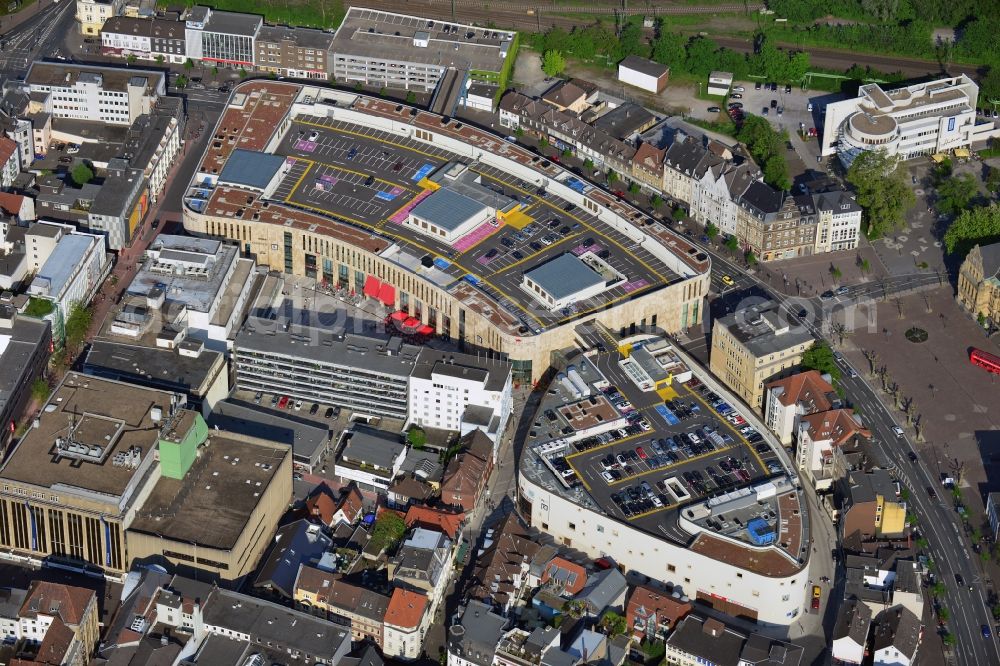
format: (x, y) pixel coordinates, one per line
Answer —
(354, 167)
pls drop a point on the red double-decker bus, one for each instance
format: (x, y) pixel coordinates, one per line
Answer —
(985, 360)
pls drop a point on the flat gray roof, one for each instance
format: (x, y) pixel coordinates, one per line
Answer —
(373, 446)
(447, 209)
(306, 439)
(382, 35)
(63, 262)
(492, 371)
(233, 23)
(152, 366)
(644, 66)
(197, 292)
(250, 168)
(764, 329)
(308, 38)
(17, 347)
(564, 276)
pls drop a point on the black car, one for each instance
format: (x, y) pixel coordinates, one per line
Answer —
(536, 246)
(507, 242)
(328, 413)
(714, 109)
(313, 409)
(369, 181)
(564, 230)
(736, 105)
(912, 456)
(788, 88)
(774, 104)
(517, 255)
(553, 223)
(757, 86)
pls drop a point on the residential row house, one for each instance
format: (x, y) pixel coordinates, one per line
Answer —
(565, 130)
(220, 39)
(316, 589)
(720, 184)
(50, 623)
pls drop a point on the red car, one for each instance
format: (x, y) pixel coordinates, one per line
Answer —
(283, 402)
(641, 452)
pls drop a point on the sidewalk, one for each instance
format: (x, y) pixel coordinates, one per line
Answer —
(10, 22)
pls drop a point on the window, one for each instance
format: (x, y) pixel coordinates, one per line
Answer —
(572, 526)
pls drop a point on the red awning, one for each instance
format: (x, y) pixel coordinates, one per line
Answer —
(399, 315)
(387, 294)
(411, 322)
(425, 329)
(372, 285)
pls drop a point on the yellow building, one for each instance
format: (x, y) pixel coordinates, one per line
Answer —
(91, 14)
(979, 282)
(754, 345)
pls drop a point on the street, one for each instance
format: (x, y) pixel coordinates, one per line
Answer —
(36, 37)
(938, 522)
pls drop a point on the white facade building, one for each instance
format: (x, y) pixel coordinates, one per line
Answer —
(91, 14)
(101, 94)
(72, 274)
(777, 599)
(460, 394)
(839, 221)
(643, 73)
(922, 119)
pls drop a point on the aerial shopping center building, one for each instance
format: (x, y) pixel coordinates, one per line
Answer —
(400, 205)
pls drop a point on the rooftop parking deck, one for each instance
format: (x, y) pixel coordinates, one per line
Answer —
(647, 457)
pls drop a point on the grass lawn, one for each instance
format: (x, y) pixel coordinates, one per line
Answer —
(307, 13)
(38, 307)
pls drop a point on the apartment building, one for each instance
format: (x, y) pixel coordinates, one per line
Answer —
(870, 506)
(979, 282)
(71, 274)
(462, 394)
(91, 14)
(789, 399)
(57, 624)
(154, 141)
(753, 345)
(406, 623)
(474, 639)
(297, 52)
(379, 48)
(774, 225)
(225, 39)
(838, 221)
(921, 119)
(364, 608)
(103, 94)
(10, 161)
(819, 437)
(147, 38)
(120, 206)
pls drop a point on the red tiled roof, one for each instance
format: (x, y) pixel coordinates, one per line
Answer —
(11, 203)
(66, 602)
(58, 638)
(571, 574)
(406, 608)
(804, 387)
(422, 516)
(647, 601)
(352, 503)
(321, 506)
(836, 425)
(7, 148)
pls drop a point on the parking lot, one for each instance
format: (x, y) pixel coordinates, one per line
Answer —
(668, 452)
(372, 179)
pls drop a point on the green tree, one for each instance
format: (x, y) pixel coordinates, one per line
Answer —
(553, 63)
(159, 59)
(382, 91)
(948, 639)
(81, 174)
(411, 98)
(656, 201)
(977, 225)
(702, 56)
(776, 172)
(567, 152)
(882, 190)
(633, 188)
(40, 389)
(130, 59)
(613, 624)
(588, 164)
(732, 244)
(865, 266)
(612, 177)
(955, 194)
(922, 543)
(180, 82)
(769, 61)
(680, 214)
(243, 73)
(750, 258)
(189, 64)
(543, 142)
(835, 273)
(711, 231)
(215, 73)
(820, 357)
(630, 40)
(938, 590)
(943, 614)
(416, 437)
(388, 530)
(798, 66)
(668, 49)
(77, 324)
(993, 180)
